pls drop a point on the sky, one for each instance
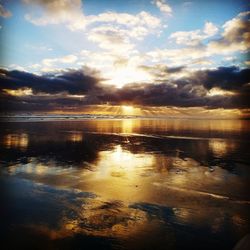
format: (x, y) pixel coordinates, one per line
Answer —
(160, 57)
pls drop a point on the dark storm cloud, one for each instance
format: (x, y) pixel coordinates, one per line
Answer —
(56, 91)
(161, 71)
(189, 91)
(166, 95)
(175, 69)
(70, 81)
(227, 78)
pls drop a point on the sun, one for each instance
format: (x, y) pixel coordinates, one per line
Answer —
(128, 110)
(124, 75)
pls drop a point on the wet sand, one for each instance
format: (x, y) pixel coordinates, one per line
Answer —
(124, 184)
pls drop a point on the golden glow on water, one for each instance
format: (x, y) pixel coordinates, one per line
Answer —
(125, 126)
(128, 126)
(221, 147)
(41, 169)
(218, 147)
(122, 163)
(76, 137)
(129, 180)
(167, 126)
(120, 172)
(16, 141)
(119, 180)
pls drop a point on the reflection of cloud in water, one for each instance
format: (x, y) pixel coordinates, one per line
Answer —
(190, 175)
(37, 168)
(97, 218)
(211, 217)
(142, 178)
(84, 213)
(121, 174)
(110, 218)
(19, 141)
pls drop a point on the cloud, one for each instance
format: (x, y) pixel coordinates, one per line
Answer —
(69, 81)
(111, 38)
(226, 87)
(142, 19)
(49, 62)
(235, 37)
(163, 6)
(195, 37)
(115, 32)
(226, 78)
(187, 55)
(71, 14)
(161, 72)
(118, 32)
(187, 37)
(192, 91)
(4, 13)
(56, 12)
(117, 67)
(210, 29)
(118, 39)
(68, 59)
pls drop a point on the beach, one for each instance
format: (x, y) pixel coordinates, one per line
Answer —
(124, 183)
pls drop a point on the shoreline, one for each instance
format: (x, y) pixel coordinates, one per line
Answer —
(84, 117)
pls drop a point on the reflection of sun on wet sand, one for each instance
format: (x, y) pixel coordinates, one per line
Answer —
(76, 137)
(130, 180)
(16, 141)
(121, 174)
(220, 148)
(118, 172)
(87, 214)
